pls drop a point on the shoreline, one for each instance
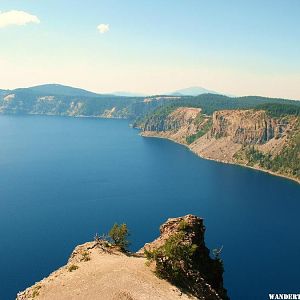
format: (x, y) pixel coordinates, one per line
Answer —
(223, 162)
(63, 116)
(153, 135)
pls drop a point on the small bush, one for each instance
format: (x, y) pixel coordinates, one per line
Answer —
(173, 258)
(183, 225)
(73, 268)
(85, 256)
(119, 235)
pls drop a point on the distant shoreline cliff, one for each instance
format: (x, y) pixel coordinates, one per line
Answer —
(249, 138)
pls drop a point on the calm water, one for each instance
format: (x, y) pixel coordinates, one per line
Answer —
(63, 179)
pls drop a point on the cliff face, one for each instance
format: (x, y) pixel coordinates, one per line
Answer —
(251, 137)
(176, 125)
(247, 126)
(100, 271)
(175, 120)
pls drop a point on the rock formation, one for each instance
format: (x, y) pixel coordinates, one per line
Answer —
(247, 126)
(98, 270)
(182, 116)
(202, 275)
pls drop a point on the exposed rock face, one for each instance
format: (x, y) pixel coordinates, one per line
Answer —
(97, 270)
(247, 126)
(178, 125)
(204, 275)
(181, 117)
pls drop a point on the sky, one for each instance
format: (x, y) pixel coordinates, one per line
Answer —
(237, 47)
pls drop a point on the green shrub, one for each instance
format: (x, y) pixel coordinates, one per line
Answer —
(72, 268)
(183, 225)
(173, 258)
(85, 256)
(119, 235)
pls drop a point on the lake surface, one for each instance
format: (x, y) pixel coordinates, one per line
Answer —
(64, 179)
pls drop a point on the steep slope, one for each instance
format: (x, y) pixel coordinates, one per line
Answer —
(254, 138)
(178, 124)
(196, 272)
(97, 270)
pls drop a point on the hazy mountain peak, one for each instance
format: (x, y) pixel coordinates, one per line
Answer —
(193, 91)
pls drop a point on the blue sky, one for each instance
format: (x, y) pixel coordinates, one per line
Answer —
(237, 47)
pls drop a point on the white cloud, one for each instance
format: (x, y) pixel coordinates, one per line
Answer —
(17, 17)
(103, 28)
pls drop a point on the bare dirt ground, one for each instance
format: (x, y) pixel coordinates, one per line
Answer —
(101, 275)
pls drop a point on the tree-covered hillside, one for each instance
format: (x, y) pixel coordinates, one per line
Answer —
(279, 110)
(57, 89)
(26, 101)
(208, 102)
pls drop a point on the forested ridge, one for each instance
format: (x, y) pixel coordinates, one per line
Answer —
(57, 100)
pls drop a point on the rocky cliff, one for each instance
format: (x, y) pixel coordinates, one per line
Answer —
(253, 138)
(248, 126)
(177, 124)
(173, 121)
(200, 275)
(98, 270)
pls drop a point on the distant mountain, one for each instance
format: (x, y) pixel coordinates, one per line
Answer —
(192, 91)
(58, 89)
(128, 94)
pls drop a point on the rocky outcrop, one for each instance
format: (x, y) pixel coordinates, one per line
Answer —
(100, 271)
(202, 275)
(176, 119)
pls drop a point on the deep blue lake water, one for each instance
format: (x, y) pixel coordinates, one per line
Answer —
(64, 179)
